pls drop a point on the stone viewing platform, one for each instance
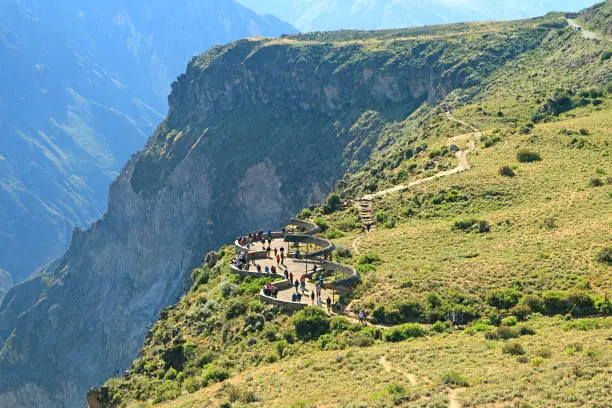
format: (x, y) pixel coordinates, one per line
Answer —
(305, 257)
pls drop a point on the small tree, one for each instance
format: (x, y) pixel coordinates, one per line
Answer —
(333, 202)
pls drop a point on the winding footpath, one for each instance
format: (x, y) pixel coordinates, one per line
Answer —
(366, 203)
(589, 35)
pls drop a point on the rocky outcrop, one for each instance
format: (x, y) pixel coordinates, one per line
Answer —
(254, 128)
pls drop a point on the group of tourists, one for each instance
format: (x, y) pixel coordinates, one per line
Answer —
(270, 290)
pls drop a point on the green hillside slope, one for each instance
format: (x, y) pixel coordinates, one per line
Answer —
(485, 276)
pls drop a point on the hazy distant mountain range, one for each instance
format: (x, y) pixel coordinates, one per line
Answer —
(82, 86)
(321, 15)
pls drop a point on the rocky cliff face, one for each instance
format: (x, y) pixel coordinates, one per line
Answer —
(80, 88)
(256, 131)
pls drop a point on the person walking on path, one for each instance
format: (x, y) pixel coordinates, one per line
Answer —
(297, 286)
(291, 278)
(318, 290)
(319, 302)
(275, 251)
(312, 298)
(267, 269)
(278, 260)
(282, 256)
(286, 274)
(362, 317)
(329, 304)
(303, 284)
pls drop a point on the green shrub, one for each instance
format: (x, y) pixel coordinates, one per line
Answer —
(347, 225)
(333, 202)
(454, 378)
(192, 384)
(390, 223)
(526, 156)
(471, 225)
(281, 348)
(439, 327)
(213, 373)
(339, 324)
(555, 303)
(506, 171)
(490, 140)
(333, 234)
(343, 251)
(513, 349)
(583, 325)
(200, 276)
(510, 321)
(503, 333)
(533, 302)
(322, 223)
(596, 182)
(369, 259)
(403, 332)
(235, 309)
(503, 298)
(605, 256)
(520, 311)
(606, 55)
(381, 217)
(310, 323)
(581, 304)
(305, 214)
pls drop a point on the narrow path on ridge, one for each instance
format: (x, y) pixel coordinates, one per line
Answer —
(589, 35)
(366, 203)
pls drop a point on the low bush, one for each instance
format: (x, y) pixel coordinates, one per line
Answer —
(343, 251)
(235, 309)
(490, 140)
(322, 223)
(526, 156)
(200, 276)
(503, 333)
(506, 171)
(503, 298)
(305, 214)
(369, 259)
(381, 217)
(605, 256)
(333, 234)
(471, 225)
(213, 374)
(310, 323)
(403, 332)
(513, 349)
(596, 182)
(347, 225)
(580, 304)
(454, 378)
(509, 321)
